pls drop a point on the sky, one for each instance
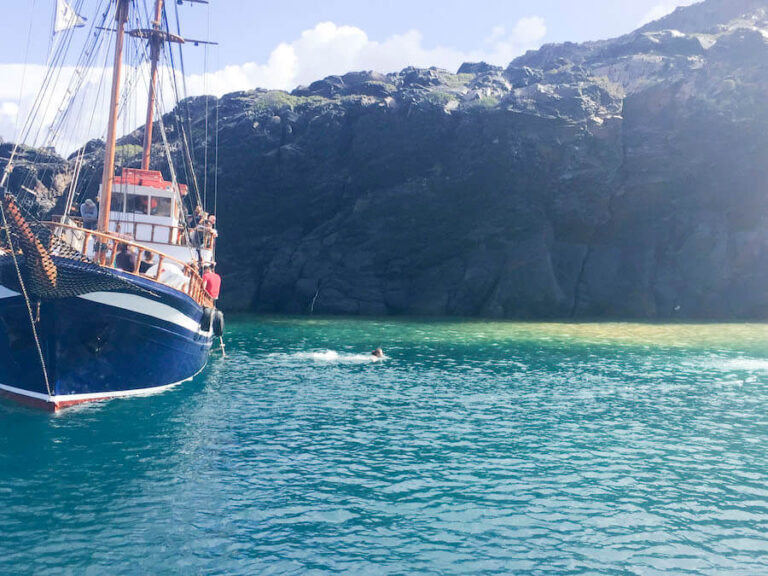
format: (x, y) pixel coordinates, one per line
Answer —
(280, 45)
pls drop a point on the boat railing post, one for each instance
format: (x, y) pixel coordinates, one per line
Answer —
(138, 260)
(113, 254)
(159, 266)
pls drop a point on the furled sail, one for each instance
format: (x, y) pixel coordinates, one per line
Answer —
(66, 17)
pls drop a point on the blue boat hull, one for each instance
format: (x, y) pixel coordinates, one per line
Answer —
(100, 345)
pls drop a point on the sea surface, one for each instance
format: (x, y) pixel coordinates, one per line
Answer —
(473, 448)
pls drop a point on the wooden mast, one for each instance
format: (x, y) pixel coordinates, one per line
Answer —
(108, 177)
(154, 55)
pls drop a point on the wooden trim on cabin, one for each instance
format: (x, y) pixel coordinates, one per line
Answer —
(209, 239)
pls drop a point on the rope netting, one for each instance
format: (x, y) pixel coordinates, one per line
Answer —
(50, 266)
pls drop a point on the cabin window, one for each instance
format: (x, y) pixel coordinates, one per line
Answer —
(118, 202)
(160, 206)
(136, 204)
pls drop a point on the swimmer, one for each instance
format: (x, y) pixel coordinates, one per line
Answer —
(377, 354)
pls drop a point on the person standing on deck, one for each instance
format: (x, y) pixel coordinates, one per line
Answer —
(90, 213)
(125, 259)
(212, 281)
(203, 225)
(147, 261)
(197, 217)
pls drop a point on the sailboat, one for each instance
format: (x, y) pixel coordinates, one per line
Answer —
(116, 307)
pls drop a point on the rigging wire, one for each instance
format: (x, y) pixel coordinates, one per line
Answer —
(21, 136)
(53, 80)
(24, 73)
(27, 301)
(205, 95)
(216, 163)
(187, 145)
(65, 114)
(166, 146)
(62, 48)
(6, 174)
(74, 102)
(53, 72)
(98, 97)
(42, 106)
(80, 78)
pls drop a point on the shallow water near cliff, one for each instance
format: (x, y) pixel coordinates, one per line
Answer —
(474, 448)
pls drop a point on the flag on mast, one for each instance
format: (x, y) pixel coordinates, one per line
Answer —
(66, 17)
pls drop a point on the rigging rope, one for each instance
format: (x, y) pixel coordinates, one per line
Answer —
(79, 159)
(24, 70)
(216, 164)
(166, 145)
(174, 179)
(186, 143)
(205, 95)
(54, 71)
(27, 301)
(73, 105)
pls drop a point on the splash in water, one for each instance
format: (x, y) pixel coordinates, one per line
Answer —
(329, 357)
(744, 364)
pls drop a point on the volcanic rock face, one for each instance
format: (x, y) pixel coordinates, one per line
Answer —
(621, 178)
(39, 178)
(624, 178)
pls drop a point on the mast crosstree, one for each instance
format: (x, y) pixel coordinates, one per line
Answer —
(141, 325)
(157, 37)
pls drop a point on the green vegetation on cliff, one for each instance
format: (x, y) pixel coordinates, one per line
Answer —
(622, 178)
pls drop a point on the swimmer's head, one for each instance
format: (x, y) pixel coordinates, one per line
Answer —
(378, 353)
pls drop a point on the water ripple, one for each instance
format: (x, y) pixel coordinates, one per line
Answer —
(483, 448)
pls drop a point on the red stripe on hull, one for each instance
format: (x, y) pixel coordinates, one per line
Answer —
(45, 405)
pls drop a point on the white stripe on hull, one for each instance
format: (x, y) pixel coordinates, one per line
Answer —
(6, 293)
(134, 303)
(86, 397)
(145, 306)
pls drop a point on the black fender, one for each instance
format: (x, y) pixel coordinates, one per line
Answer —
(205, 321)
(218, 323)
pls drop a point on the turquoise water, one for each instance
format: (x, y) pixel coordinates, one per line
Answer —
(475, 448)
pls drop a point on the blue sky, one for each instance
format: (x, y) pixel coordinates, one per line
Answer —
(249, 30)
(284, 44)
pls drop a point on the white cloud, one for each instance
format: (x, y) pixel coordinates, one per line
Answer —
(329, 49)
(526, 34)
(664, 8)
(85, 116)
(318, 52)
(9, 110)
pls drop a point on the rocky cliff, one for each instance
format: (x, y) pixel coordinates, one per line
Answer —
(622, 178)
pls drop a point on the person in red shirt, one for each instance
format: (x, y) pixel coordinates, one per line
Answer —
(212, 281)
